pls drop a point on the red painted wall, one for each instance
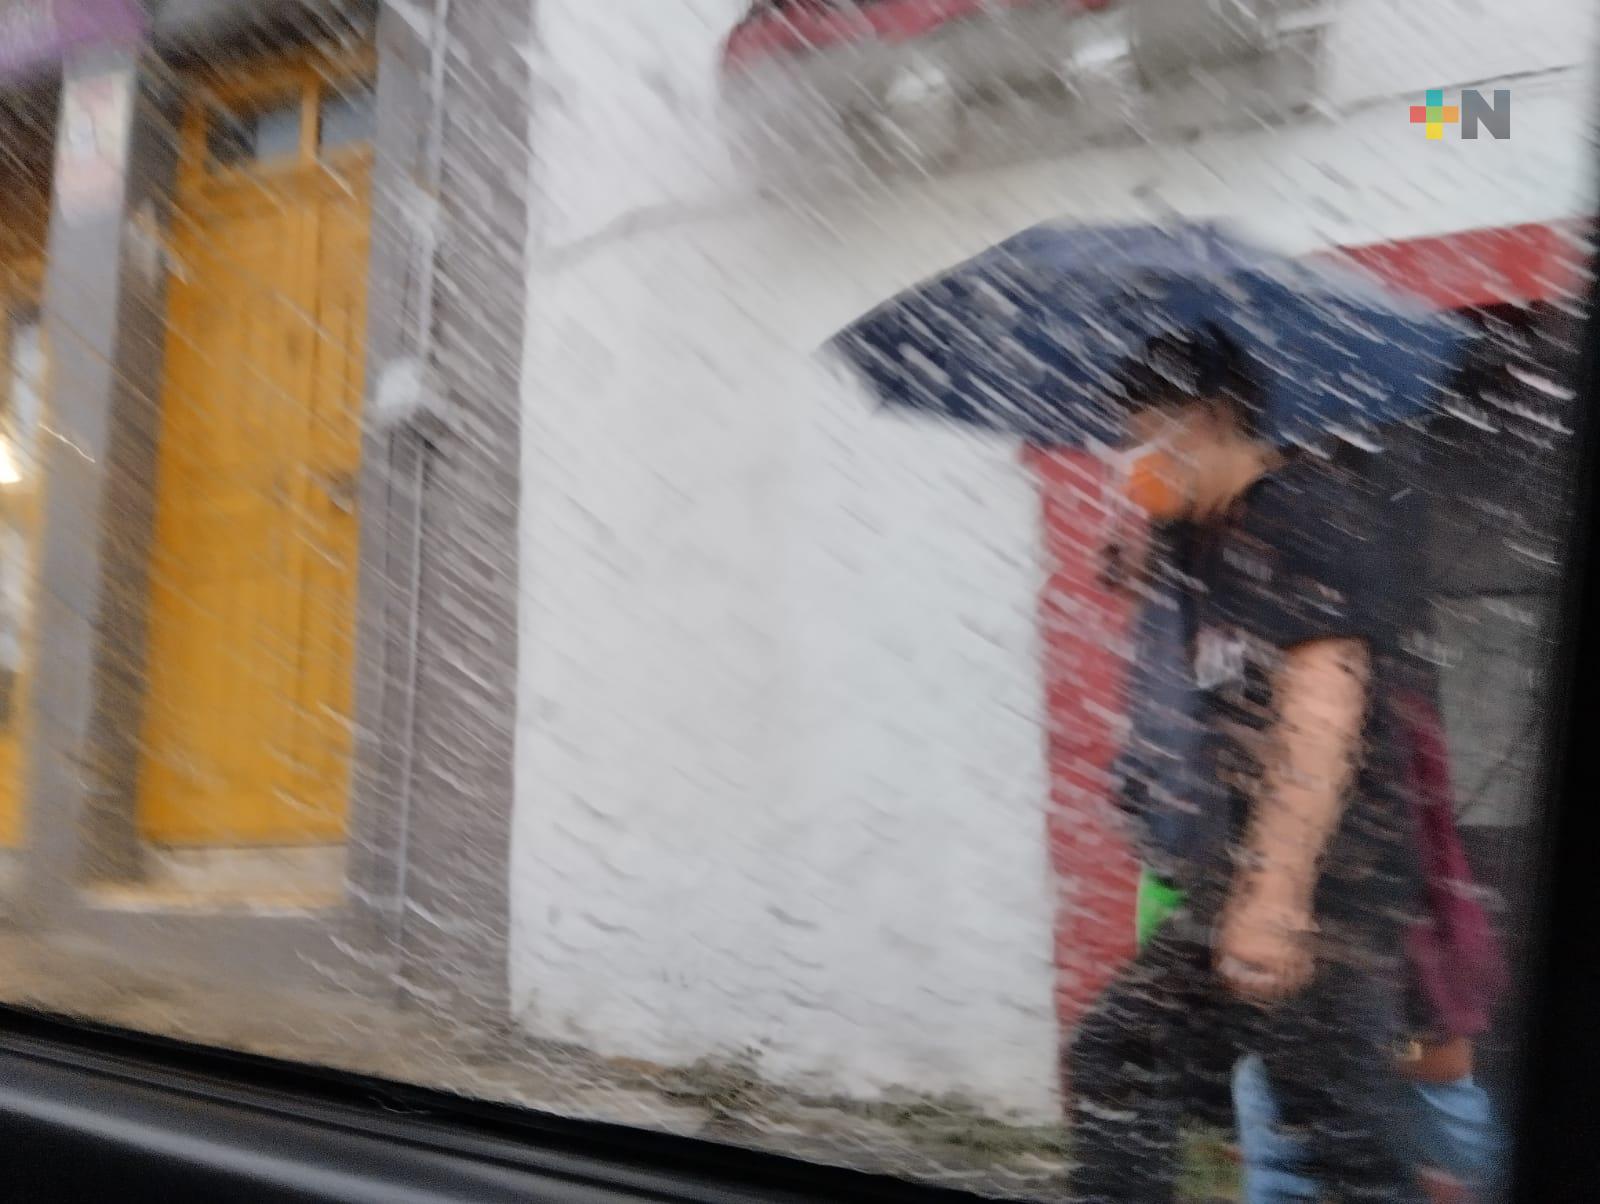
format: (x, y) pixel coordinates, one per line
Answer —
(1082, 626)
(1496, 266)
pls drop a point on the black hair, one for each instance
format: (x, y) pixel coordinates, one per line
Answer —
(1174, 371)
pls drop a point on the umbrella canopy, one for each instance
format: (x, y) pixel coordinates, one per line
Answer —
(1034, 336)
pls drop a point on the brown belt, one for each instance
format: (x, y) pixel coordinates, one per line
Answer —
(1437, 1061)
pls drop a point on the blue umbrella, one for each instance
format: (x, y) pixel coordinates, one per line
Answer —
(1033, 335)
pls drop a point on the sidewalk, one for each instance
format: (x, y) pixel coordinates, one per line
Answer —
(938, 1141)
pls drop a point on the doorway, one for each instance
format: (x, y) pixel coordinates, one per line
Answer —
(253, 568)
(27, 153)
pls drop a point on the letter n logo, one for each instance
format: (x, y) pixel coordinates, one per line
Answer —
(1475, 111)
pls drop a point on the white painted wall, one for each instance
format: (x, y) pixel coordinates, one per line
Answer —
(780, 779)
(781, 782)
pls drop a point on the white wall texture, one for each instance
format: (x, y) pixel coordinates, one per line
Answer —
(781, 778)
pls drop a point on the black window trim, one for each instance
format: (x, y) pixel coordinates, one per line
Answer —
(83, 1104)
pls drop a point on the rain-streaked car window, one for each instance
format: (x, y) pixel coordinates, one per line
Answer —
(960, 589)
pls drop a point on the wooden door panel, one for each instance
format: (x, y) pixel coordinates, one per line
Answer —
(251, 650)
(331, 531)
(222, 756)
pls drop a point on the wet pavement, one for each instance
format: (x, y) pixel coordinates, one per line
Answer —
(940, 1141)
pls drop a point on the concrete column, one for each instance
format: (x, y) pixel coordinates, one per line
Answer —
(436, 707)
(103, 312)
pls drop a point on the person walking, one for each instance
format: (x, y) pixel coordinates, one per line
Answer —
(1259, 378)
(1455, 967)
(1301, 877)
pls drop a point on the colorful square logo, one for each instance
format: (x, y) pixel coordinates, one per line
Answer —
(1434, 115)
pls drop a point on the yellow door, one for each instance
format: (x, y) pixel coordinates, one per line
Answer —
(253, 566)
(24, 220)
(22, 371)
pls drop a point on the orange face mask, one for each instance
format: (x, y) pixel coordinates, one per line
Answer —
(1151, 478)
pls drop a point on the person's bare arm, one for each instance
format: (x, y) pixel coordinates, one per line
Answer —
(1310, 756)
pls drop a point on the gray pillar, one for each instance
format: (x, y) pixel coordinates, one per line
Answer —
(431, 820)
(102, 313)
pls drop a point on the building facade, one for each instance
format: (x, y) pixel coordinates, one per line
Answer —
(817, 701)
(263, 323)
(441, 562)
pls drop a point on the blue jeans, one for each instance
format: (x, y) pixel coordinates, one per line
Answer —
(1449, 1127)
